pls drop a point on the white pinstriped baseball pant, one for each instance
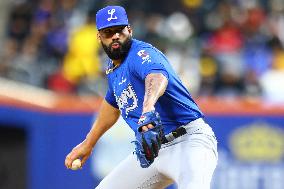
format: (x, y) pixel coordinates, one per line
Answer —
(189, 161)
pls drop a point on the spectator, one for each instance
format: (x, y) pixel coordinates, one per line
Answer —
(81, 64)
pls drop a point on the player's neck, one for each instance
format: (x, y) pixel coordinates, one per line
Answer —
(116, 62)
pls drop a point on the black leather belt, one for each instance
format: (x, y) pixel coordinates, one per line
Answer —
(174, 134)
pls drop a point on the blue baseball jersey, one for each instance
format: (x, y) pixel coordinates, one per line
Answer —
(127, 88)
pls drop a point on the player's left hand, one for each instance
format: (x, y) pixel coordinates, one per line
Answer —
(148, 138)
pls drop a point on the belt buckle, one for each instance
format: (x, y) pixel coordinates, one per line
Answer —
(179, 132)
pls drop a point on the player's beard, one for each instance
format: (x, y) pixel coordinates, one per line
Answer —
(119, 53)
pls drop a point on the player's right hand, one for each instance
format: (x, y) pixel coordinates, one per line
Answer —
(81, 151)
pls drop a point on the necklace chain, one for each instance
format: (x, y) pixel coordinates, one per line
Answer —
(111, 69)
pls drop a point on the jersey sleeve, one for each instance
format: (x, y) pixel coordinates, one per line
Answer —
(148, 60)
(110, 98)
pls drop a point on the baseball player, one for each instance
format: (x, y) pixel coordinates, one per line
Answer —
(173, 143)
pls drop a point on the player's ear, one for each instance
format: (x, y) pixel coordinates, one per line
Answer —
(130, 30)
(98, 37)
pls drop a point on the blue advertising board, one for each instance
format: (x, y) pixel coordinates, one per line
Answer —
(251, 152)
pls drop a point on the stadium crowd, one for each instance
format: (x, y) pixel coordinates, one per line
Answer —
(219, 47)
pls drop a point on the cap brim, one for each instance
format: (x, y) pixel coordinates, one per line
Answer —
(112, 25)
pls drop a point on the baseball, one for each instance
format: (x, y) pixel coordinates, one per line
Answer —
(76, 164)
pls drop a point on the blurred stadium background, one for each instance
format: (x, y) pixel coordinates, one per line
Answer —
(229, 53)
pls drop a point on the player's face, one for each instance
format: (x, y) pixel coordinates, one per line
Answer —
(116, 41)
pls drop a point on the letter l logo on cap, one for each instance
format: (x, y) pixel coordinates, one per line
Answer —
(111, 12)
